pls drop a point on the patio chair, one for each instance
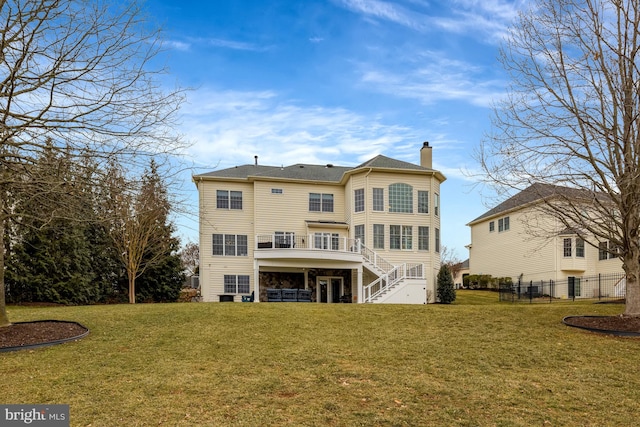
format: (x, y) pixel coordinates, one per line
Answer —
(248, 298)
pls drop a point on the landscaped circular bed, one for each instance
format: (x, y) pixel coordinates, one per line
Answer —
(621, 325)
(40, 333)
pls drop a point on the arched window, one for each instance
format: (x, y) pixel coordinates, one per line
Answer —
(401, 198)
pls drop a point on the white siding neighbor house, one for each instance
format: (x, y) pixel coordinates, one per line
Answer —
(517, 240)
(321, 233)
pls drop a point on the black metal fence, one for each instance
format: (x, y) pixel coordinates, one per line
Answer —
(599, 287)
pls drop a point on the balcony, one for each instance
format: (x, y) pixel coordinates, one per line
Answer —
(312, 246)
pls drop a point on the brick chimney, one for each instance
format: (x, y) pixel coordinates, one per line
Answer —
(426, 157)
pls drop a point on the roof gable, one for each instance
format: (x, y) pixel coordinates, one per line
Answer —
(531, 194)
(385, 162)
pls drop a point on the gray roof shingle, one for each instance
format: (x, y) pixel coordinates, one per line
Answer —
(538, 191)
(326, 173)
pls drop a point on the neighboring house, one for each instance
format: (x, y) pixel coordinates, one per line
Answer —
(462, 270)
(507, 241)
(369, 233)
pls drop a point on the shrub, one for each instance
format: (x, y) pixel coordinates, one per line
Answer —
(445, 290)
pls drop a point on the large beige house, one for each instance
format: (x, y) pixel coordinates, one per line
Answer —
(516, 239)
(321, 233)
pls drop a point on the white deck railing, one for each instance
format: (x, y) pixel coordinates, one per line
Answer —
(311, 241)
(389, 274)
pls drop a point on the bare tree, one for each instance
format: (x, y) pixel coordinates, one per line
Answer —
(137, 213)
(449, 257)
(571, 118)
(77, 76)
(190, 256)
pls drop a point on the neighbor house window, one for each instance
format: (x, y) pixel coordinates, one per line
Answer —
(378, 199)
(378, 236)
(603, 251)
(579, 248)
(492, 226)
(236, 284)
(230, 245)
(423, 238)
(436, 204)
(358, 197)
(320, 202)
(401, 237)
(503, 224)
(401, 198)
(276, 191)
(423, 201)
(228, 199)
(359, 233)
(566, 248)
(437, 237)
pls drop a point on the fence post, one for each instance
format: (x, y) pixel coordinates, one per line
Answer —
(599, 287)
(530, 291)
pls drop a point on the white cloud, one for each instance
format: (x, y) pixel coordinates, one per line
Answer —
(229, 127)
(431, 77)
(177, 45)
(385, 11)
(483, 19)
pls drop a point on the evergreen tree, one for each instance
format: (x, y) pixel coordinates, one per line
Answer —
(49, 257)
(445, 290)
(163, 276)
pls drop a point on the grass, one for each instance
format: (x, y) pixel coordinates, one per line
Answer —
(476, 362)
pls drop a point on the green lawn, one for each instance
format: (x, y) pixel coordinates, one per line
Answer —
(476, 362)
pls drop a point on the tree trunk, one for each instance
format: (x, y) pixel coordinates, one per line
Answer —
(132, 287)
(4, 319)
(632, 269)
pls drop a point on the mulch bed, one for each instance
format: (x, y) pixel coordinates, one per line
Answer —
(606, 323)
(41, 332)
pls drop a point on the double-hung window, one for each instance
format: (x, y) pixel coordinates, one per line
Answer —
(236, 284)
(579, 248)
(228, 199)
(437, 238)
(423, 238)
(436, 204)
(359, 233)
(358, 197)
(320, 202)
(378, 236)
(230, 245)
(503, 224)
(603, 251)
(566, 248)
(423, 201)
(401, 237)
(378, 199)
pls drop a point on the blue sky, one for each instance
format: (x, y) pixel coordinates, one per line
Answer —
(338, 81)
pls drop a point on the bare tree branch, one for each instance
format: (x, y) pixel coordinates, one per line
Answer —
(571, 118)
